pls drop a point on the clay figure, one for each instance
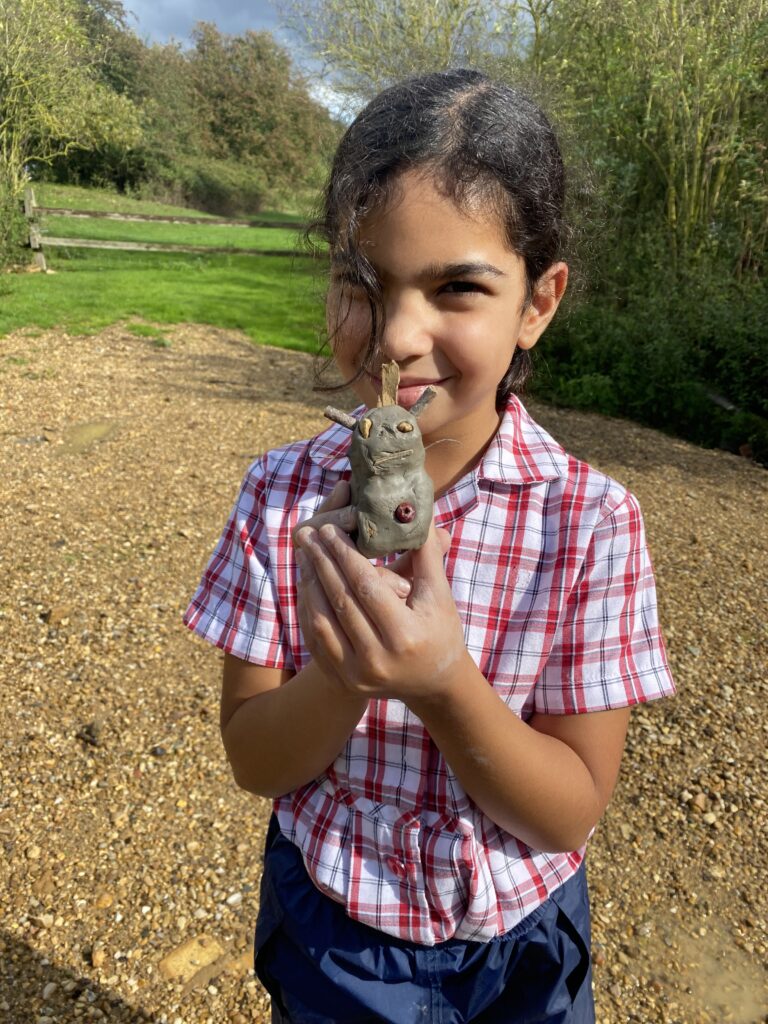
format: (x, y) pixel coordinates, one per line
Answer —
(391, 491)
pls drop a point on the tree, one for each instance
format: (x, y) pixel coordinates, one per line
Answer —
(50, 100)
(252, 107)
(368, 44)
(669, 96)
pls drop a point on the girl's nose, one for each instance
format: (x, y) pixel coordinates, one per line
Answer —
(406, 331)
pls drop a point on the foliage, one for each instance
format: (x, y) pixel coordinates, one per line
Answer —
(13, 227)
(692, 363)
(368, 44)
(226, 124)
(254, 109)
(50, 99)
(669, 97)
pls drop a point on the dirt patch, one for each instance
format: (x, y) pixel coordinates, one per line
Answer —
(130, 868)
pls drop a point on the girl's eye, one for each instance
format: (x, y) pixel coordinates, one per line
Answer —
(461, 288)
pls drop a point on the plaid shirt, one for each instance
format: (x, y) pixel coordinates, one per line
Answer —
(550, 573)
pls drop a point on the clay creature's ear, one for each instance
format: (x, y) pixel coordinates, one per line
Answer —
(340, 417)
(419, 406)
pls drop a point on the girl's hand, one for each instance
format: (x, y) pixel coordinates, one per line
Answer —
(375, 643)
(336, 511)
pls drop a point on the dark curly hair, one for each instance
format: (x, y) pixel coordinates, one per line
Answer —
(483, 141)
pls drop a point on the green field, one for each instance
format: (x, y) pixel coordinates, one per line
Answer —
(275, 300)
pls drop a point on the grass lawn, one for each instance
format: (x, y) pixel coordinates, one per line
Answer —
(276, 300)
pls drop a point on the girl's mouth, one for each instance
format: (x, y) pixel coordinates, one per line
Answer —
(408, 394)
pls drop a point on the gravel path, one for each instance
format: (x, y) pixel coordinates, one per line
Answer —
(130, 867)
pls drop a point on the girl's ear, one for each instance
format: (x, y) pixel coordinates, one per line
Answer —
(547, 294)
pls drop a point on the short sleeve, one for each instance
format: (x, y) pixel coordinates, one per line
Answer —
(608, 651)
(236, 606)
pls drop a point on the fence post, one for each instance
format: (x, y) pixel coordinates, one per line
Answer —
(35, 237)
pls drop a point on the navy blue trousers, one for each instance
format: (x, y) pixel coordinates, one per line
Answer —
(322, 967)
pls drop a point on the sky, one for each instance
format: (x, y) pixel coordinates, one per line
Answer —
(159, 20)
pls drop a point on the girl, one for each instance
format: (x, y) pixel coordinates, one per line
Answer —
(440, 732)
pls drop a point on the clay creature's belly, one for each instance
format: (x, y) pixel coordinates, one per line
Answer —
(394, 518)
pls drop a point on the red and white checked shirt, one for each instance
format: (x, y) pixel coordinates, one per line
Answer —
(551, 576)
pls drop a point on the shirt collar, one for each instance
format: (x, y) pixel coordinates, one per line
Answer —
(520, 452)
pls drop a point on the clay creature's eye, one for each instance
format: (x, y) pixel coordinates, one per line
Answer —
(405, 427)
(365, 427)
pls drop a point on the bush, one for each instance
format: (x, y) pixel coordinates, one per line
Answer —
(221, 187)
(692, 361)
(13, 227)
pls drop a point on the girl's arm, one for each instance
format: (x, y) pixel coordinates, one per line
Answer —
(282, 730)
(546, 781)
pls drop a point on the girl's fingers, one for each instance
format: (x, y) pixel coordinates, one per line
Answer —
(343, 588)
(316, 618)
(375, 599)
(402, 564)
(427, 568)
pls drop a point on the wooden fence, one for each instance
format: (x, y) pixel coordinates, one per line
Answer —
(37, 240)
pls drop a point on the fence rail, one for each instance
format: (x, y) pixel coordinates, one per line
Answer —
(37, 240)
(60, 211)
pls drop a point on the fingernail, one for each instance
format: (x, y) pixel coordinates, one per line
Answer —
(304, 537)
(404, 587)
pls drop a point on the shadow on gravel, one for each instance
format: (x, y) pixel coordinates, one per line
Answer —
(25, 974)
(636, 448)
(248, 375)
(257, 374)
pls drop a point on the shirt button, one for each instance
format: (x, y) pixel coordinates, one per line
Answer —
(396, 867)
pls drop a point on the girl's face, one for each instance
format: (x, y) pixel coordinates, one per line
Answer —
(454, 305)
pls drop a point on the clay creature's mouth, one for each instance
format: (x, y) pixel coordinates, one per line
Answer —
(389, 456)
